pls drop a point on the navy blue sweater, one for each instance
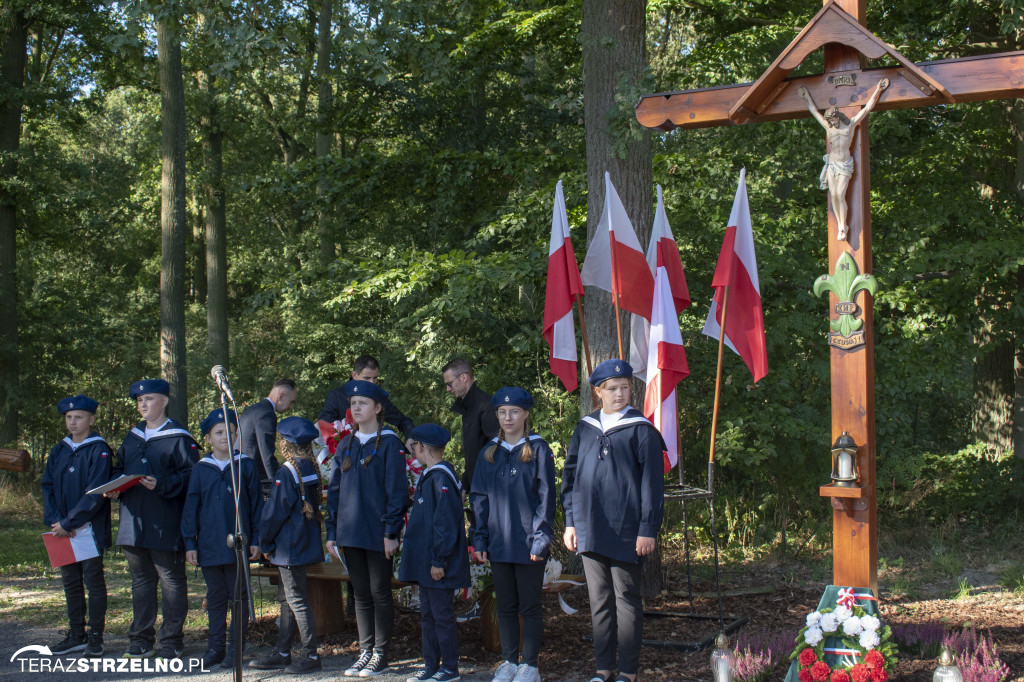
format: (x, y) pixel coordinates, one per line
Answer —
(286, 535)
(151, 519)
(209, 514)
(514, 502)
(368, 501)
(613, 485)
(436, 535)
(68, 474)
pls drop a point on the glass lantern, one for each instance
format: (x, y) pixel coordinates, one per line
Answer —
(844, 461)
(947, 670)
(723, 660)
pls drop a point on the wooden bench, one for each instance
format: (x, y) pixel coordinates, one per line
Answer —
(325, 594)
(15, 460)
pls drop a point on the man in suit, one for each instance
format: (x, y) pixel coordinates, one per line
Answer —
(365, 368)
(479, 421)
(257, 427)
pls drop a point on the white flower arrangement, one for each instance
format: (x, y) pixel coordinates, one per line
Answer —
(875, 652)
(828, 622)
(870, 622)
(842, 613)
(869, 639)
(852, 626)
(812, 618)
(813, 636)
(552, 570)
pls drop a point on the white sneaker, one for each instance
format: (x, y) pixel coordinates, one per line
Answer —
(505, 672)
(526, 673)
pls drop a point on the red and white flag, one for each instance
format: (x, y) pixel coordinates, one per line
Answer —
(70, 550)
(666, 359)
(563, 288)
(631, 278)
(640, 329)
(737, 269)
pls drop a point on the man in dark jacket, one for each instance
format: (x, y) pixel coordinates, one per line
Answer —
(365, 368)
(257, 427)
(479, 422)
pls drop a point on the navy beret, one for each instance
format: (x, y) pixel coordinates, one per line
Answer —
(366, 389)
(144, 386)
(297, 430)
(610, 369)
(77, 402)
(512, 395)
(217, 417)
(430, 434)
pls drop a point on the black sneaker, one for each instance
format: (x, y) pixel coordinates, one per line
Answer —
(139, 650)
(274, 661)
(303, 665)
(378, 664)
(211, 658)
(72, 642)
(446, 675)
(422, 676)
(364, 659)
(94, 648)
(229, 660)
(169, 652)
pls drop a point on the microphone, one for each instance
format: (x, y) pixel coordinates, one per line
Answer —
(220, 377)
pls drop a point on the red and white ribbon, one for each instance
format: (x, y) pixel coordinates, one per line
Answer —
(842, 652)
(847, 597)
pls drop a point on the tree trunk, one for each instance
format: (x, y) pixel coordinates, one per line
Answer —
(614, 45)
(13, 39)
(172, 216)
(198, 248)
(323, 132)
(216, 227)
(1017, 126)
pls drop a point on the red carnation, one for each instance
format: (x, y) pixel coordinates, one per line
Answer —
(805, 675)
(860, 673)
(840, 676)
(879, 675)
(820, 671)
(874, 659)
(807, 657)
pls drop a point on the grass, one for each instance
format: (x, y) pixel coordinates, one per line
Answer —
(963, 590)
(1013, 579)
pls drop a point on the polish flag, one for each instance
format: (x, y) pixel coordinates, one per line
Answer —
(640, 329)
(630, 279)
(737, 269)
(66, 550)
(666, 358)
(563, 288)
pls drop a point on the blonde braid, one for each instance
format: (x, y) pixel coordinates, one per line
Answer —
(489, 452)
(347, 463)
(292, 453)
(526, 454)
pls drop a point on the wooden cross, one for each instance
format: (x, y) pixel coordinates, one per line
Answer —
(846, 84)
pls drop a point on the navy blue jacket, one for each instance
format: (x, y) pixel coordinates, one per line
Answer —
(286, 535)
(68, 474)
(367, 501)
(514, 502)
(436, 535)
(336, 404)
(479, 425)
(257, 429)
(209, 514)
(151, 519)
(613, 485)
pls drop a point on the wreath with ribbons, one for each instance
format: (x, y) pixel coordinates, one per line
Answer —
(862, 639)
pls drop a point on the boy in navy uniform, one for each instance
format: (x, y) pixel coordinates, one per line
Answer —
(209, 518)
(290, 539)
(79, 463)
(612, 493)
(435, 554)
(149, 529)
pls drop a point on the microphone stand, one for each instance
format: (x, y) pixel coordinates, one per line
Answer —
(239, 543)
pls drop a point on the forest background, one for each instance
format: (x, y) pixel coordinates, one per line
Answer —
(355, 177)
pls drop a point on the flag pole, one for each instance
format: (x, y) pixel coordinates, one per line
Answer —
(718, 374)
(586, 344)
(615, 288)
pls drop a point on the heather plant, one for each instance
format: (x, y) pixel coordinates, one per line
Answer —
(976, 657)
(759, 652)
(925, 638)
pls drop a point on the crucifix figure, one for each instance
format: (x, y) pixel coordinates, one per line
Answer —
(839, 167)
(845, 84)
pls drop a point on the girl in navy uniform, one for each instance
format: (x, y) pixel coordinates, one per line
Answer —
(290, 539)
(435, 554)
(513, 501)
(366, 499)
(209, 518)
(79, 463)
(612, 490)
(149, 528)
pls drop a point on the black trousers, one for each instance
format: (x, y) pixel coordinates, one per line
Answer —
(147, 568)
(437, 628)
(296, 612)
(616, 611)
(370, 576)
(77, 578)
(220, 595)
(517, 589)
